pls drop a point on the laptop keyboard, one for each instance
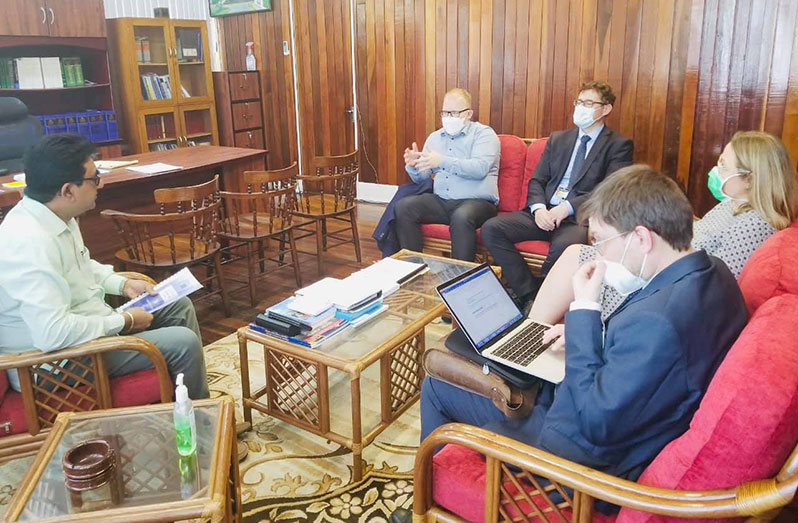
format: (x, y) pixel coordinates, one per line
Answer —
(524, 346)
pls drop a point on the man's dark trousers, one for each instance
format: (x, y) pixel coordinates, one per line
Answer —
(463, 217)
(500, 234)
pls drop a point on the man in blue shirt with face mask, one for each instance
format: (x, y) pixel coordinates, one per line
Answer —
(633, 382)
(462, 158)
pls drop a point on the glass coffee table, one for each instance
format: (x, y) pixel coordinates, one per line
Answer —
(297, 382)
(155, 483)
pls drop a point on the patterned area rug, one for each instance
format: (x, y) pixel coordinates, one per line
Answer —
(292, 475)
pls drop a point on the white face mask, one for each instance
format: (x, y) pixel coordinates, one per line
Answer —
(583, 116)
(452, 125)
(621, 278)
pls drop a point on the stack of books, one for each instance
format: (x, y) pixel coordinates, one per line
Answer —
(40, 72)
(320, 311)
(156, 87)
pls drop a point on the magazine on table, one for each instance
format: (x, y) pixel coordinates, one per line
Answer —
(182, 283)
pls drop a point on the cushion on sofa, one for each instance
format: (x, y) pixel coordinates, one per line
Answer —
(511, 172)
(747, 423)
(770, 271)
(458, 485)
(533, 154)
(137, 388)
(534, 246)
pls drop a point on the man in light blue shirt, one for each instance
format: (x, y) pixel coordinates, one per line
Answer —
(462, 158)
(52, 294)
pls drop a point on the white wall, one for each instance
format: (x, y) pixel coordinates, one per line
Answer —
(184, 9)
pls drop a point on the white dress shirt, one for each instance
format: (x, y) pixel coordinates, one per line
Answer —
(52, 294)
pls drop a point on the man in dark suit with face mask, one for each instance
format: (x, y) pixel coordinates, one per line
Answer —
(573, 163)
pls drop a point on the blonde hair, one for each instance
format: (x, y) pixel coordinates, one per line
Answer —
(774, 188)
(462, 93)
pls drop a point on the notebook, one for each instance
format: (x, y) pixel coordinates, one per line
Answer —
(497, 328)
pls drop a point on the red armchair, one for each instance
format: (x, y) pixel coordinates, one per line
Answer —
(82, 384)
(738, 458)
(516, 165)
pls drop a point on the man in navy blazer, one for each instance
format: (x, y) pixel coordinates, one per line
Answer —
(633, 383)
(572, 164)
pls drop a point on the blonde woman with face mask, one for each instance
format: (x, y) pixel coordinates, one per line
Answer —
(757, 186)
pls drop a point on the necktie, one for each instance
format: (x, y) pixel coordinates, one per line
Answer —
(581, 152)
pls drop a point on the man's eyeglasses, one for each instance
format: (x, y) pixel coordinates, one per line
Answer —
(598, 243)
(446, 114)
(587, 103)
(94, 179)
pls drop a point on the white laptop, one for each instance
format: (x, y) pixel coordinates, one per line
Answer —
(495, 326)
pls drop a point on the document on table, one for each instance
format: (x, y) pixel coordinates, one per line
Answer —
(154, 168)
(182, 283)
(113, 164)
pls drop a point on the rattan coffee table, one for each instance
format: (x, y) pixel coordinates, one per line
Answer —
(156, 483)
(297, 386)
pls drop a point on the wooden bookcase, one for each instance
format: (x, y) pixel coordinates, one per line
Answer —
(163, 73)
(61, 28)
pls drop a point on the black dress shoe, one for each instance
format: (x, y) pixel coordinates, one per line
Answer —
(401, 515)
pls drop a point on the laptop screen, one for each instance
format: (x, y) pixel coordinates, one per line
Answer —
(480, 305)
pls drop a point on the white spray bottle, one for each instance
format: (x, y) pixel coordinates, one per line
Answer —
(250, 61)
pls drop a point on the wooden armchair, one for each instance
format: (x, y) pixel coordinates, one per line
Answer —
(514, 490)
(328, 195)
(73, 379)
(184, 234)
(257, 217)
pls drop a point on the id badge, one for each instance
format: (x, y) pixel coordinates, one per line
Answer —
(561, 193)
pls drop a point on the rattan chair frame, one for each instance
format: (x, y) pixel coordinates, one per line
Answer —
(508, 460)
(262, 214)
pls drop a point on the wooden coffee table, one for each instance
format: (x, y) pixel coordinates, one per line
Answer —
(297, 387)
(157, 484)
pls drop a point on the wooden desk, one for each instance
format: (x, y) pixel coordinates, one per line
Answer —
(128, 191)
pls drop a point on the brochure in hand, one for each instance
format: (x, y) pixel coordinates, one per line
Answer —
(182, 283)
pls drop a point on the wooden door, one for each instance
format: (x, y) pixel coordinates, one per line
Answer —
(193, 80)
(324, 69)
(24, 17)
(84, 18)
(198, 125)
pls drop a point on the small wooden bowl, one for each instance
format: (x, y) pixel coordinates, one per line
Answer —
(87, 464)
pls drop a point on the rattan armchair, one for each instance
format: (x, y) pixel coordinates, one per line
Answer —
(71, 379)
(82, 383)
(508, 462)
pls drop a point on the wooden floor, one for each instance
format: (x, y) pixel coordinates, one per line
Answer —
(339, 263)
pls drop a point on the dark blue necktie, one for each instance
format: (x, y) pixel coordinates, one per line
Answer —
(581, 152)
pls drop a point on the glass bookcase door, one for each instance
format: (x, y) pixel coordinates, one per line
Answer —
(153, 54)
(198, 126)
(192, 71)
(161, 130)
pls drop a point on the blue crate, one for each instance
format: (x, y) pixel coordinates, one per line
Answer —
(97, 127)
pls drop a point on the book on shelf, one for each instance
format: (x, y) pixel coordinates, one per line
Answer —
(51, 72)
(29, 72)
(155, 87)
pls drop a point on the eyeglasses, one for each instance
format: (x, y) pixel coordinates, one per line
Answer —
(587, 103)
(94, 179)
(446, 114)
(598, 243)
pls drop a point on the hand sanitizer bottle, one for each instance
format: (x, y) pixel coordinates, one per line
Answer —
(185, 426)
(250, 61)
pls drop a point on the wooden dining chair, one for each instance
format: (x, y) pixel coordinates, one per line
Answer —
(326, 197)
(260, 216)
(7, 200)
(184, 234)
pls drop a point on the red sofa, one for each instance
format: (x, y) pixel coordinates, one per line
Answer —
(516, 165)
(744, 432)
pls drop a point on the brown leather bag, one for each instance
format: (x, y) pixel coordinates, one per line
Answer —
(451, 368)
